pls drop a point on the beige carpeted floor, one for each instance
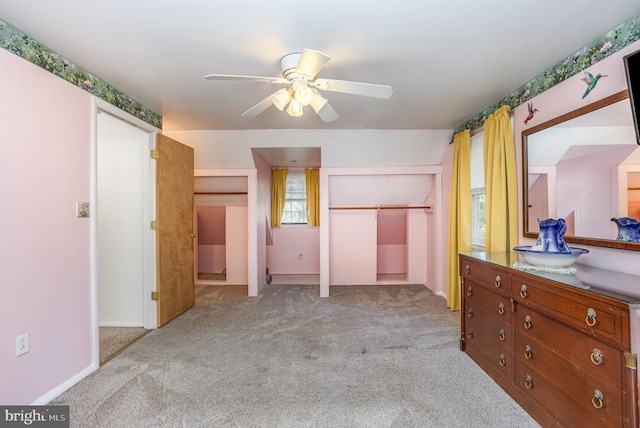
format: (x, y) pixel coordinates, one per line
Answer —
(368, 356)
(114, 340)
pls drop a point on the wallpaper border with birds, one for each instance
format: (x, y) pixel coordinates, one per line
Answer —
(27, 48)
(620, 37)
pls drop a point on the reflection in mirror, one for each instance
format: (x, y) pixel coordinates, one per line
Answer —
(584, 167)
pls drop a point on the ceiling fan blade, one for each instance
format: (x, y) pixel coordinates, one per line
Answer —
(321, 106)
(259, 108)
(311, 62)
(327, 113)
(245, 78)
(355, 88)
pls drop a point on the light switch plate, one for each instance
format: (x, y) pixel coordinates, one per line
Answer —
(82, 209)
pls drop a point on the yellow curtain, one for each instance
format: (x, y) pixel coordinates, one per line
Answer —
(278, 194)
(312, 181)
(500, 183)
(459, 214)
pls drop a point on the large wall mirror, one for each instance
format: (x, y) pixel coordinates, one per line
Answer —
(584, 166)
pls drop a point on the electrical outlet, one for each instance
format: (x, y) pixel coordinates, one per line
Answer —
(22, 344)
(300, 256)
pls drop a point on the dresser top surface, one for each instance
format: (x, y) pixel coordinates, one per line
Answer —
(608, 283)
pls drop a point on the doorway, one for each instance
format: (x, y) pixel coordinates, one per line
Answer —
(121, 222)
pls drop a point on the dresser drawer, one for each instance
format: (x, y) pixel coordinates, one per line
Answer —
(594, 318)
(500, 360)
(568, 411)
(494, 303)
(488, 330)
(589, 356)
(495, 279)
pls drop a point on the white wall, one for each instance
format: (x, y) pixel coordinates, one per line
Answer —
(339, 148)
(123, 158)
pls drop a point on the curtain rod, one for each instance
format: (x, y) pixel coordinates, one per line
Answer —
(383, 207)
(480, 128)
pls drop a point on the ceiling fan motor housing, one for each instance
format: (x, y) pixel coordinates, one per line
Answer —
(288, 65)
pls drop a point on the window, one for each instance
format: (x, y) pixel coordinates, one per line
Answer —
(478, 199)
(295, 204)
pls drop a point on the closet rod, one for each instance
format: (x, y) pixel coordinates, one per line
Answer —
(219, 193)
(384, 207)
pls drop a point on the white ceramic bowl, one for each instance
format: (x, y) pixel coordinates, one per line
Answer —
(549, 258)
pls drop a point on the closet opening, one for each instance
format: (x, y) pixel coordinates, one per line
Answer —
(221, 219)
(391, 245)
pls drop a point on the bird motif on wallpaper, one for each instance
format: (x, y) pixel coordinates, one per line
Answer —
(591, 81)
(532, 112)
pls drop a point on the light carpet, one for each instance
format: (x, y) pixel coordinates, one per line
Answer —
(368, 356)
(114, 340)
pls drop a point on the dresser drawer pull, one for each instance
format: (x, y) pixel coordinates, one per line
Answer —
(501, 308)
(470, 334)
(523, 291)
(528, 382)
(527, 322)
(596, 357)
(470, 291)
(470, 313)
(501, 335)
(502, 360)
(528, 353)
(467, 269)
(498, 284)
(591, 317)
(597, 399)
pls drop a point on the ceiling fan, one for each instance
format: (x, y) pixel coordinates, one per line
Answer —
(299, 71)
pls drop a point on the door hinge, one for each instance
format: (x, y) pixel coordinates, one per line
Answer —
(154, 154)
(154, 225)
(155, 295)
(631, 360)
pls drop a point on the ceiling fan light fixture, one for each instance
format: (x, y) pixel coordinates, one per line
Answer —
(295, 108)
(304, 95)
(281, 98)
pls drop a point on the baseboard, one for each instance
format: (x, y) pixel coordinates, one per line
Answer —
(120, 324)
(47, 397)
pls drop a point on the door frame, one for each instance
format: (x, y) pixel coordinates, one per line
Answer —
(149, 210)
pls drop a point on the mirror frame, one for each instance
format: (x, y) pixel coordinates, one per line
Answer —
(596, 242)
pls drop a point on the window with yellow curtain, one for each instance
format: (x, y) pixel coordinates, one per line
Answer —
(278, 192)
(500, 182)
(313, 196)
(295, 203)
(459, 214)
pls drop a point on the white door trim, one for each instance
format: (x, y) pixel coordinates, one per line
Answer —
(150, 310)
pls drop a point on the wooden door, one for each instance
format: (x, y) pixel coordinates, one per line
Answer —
(175, 236)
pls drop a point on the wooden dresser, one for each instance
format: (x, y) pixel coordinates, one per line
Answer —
(563, 346)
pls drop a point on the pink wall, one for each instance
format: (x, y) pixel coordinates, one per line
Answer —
(392, 241)
(45, 268)
(288, 243)
(211, 222)
(583, 183)
(352, 247)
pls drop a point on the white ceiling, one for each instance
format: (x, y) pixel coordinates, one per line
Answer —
(446, 60)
